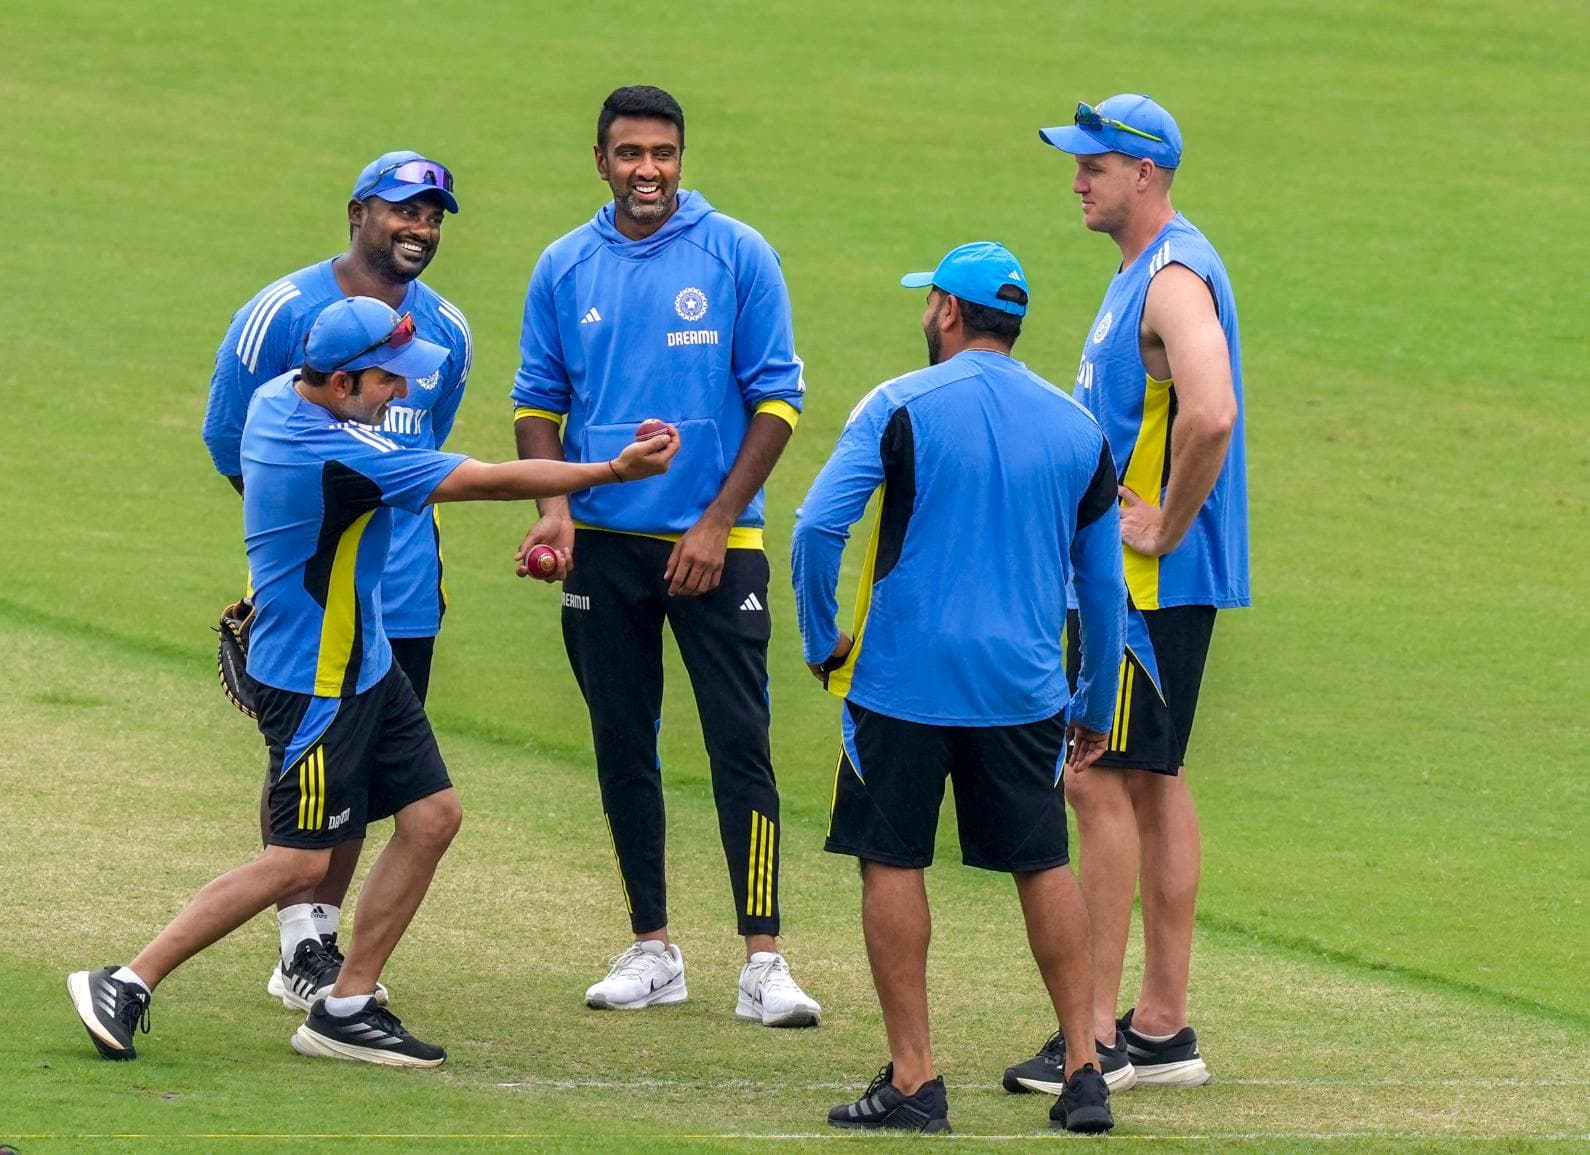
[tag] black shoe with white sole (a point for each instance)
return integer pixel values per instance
(1045, 1072)
(1085, 1105)
(310, 976)
(111, 1010)
(372, 1034)
(1172, 1063)
(885, 1107)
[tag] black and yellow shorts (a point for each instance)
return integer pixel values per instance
(1009, 797)
(338, 764)
(1160, 675)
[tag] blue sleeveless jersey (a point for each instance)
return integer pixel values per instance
(1210, 566)
(266, 339)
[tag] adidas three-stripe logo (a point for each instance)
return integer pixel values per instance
(591, 317)
(752, 603)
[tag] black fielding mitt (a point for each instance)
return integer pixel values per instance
(232, 657)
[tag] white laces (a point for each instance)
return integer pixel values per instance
(632, 963)
(773, 975)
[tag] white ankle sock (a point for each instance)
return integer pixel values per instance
(1147, 1038)
(343, 1007)
(126, 975)
(326, 918)
(296, 926)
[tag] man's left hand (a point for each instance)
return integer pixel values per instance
(1141, 528)
(696, 565)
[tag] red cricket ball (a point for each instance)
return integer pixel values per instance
(542, 562)
(650, 427)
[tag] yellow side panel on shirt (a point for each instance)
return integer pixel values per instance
(838, 683)
(338, 627)
(759, 871)
(312, 789)
(1144, 473)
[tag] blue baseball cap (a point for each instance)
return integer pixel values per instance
(398, 176)
(1126, 123)
(976, 272)
(364, 333)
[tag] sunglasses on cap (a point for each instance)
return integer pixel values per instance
(1089, 117)
(402, 333)
(418, 172)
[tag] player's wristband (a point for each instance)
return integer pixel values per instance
(617, 476)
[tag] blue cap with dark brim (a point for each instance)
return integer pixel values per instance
(976, 272)
(390, 176)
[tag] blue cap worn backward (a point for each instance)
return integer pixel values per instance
(976, 272)
(364, 333)
(1126, 123)
(397, 176)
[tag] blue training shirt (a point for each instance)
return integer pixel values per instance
(998, 491)
(318, 500)
(690, 325)
(1210, 566)
(266, 339)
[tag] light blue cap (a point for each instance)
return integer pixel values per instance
(976, 272)
(343, 335)
(1128, 108)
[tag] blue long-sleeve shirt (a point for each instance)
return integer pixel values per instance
(998, 491)
(690, 325)
(266, 339)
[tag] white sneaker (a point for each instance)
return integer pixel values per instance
(648, 973)
(771, 997)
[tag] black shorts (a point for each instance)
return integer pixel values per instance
(1009, 796)
(337, 764)
(414, 655)
(1160, 676)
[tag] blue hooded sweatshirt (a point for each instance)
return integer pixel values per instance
(690, 325)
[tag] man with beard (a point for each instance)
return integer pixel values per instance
(395, 219)
(663, 307)
(998, 491)
(347, 738)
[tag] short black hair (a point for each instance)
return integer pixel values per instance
(639, 100)
(985, 321)
(314, 378)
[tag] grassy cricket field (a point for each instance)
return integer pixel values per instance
(1394, 932)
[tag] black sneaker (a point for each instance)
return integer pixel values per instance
(883, 1106)
(1045, 1072)
(1173, 1063)
(1085, 1105)
(110, 1010)
(372, 1034)
(310, 976)
(334, 952)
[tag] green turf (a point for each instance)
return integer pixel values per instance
(1389, 758)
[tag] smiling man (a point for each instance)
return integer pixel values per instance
(663, 307)
(395, 216)
(347, 738)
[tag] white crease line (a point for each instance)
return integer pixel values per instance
(753, 1085)
(576, 1139)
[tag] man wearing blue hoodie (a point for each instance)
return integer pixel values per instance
(664, 307)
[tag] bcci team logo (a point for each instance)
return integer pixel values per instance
(430, 382)
(1103, 330)
(691, 304)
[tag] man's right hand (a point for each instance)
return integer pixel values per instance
(1086, 747)
(647, 458)
(556, 530)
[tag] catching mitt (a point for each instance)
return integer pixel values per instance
(231, 657)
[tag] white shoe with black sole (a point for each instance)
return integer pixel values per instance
(372, 1034)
